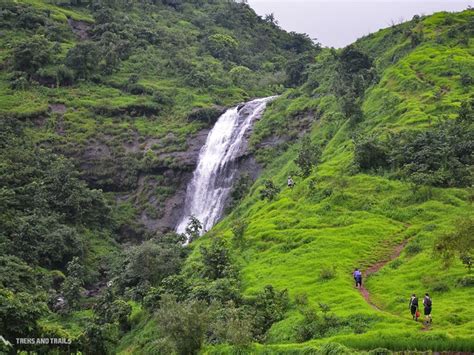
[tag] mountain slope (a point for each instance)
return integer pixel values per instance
(345, 214)
(104, 106)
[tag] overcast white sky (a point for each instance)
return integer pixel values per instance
(338, 23)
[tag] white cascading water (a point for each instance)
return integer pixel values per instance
(212, 180)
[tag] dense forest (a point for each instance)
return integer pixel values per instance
(104, 106)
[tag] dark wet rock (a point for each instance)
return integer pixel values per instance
(208, 115)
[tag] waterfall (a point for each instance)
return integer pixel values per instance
(212, 180)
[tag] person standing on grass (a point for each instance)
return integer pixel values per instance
(427, 305)
(291, 183)
(413, 306)
(358, 278)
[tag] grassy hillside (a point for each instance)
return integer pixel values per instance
(101, 104)
(309, 239)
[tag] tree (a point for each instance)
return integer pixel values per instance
(241, 76)
(238, 229)
(222, 46)
(185, 324)
(72, 285)
(193, 229)
(308, 157)
(296, 70)
(20, 312)
(458, 243)
(83, 59)
(216, 260)
(32, 54)
(269, 307)
(370, 153)
(269, 191)
(152, 261)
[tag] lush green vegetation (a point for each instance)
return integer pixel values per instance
(377, 136)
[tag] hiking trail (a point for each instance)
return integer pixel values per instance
(376, 267)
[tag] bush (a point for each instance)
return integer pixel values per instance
(216, 260)
(308, 157)
(395, 264)
(440, 286)
(268, 307)
(270, 191)
(458, 243)
(369, 153)
(466, 281)
(222, 46)
(33, 54)
(315, 325)
(334, 349)
(208, 115)
(239, 190)
(186, 324)
(327, 272)
(151, 262)
(413, 248)
(83, 59)
(238, 229)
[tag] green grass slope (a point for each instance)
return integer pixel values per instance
(95, 99)
(342, 218)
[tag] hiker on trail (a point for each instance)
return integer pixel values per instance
(427, 304)
(291, 183)
(358, 278)
(413, 306)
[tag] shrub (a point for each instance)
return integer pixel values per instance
(395, 264)
(186, 324)
(72, 285)
(270, 191)
(369, 153)
(466, 281)
(268, 307)
(239, 190)
(440, 286)
(216, 260)
(466, 79)
(231, 325)
(193, 229)
(458, 243)
(334, 349)
(413, 248)
(315, 325)
(151, 262)
(308, 157)
(327, 272)
(208, 115)
(32, 54)
(83, 59)
(241, 76)
(238, 229)
(301, 299)
(222, 46)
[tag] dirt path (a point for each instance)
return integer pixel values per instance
(376, 267)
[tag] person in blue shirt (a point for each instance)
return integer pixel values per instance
(358, 278)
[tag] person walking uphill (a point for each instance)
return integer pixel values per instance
(413, 306)
(358, 278)
(291, 183)
(427, 308)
